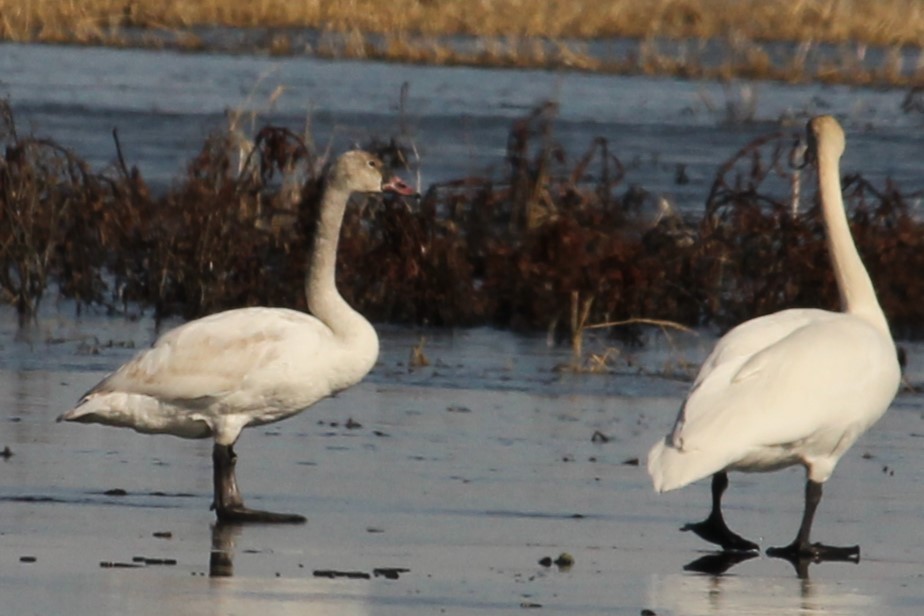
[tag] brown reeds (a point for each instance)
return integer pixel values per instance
(229, 234)
(51, 207)
(552, 244)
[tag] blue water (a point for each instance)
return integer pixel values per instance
(164, 103)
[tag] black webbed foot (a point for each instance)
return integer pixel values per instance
(229, 504)
(816, 552)
(714, 530)
(241, 514)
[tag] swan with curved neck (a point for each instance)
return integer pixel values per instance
(796, 387)
(215, 376)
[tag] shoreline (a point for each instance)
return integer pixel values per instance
(855, 42)
(719, 59)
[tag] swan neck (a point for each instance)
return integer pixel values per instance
(324, 300)
(853, 282)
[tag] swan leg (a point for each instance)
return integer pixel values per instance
(713, 529)
(228, 503)
(802, 548)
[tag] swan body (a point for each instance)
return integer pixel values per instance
(747, 412)
(217, 375)
(797, 387)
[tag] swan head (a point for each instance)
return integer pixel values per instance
(824, 133)
(360, 171)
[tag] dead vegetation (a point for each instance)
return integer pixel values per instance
(551, 246)
(51, 207)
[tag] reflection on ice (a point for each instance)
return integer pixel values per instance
(221, 557)
(717, 563)
(744, 594)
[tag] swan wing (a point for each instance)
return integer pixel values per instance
(732, 352)
(210, 358)
(752, 337)
(835, 374)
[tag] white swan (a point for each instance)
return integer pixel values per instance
(794, 387)
(214, 376)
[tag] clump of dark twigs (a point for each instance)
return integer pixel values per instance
(556, 243)
(51, 207)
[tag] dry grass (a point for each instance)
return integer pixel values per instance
(515, 33)
(882, 22)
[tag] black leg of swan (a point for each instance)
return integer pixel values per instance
(802, 548)
(713, 529)
(229, 504)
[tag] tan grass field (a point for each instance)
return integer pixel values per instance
(514, 33)
(881, 22)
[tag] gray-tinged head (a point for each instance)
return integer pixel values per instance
(360, 171)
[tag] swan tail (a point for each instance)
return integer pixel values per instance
(671, 468)
(140, 413)
(95, 409)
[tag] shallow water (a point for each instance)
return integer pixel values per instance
(164, 104)
(459, 478)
